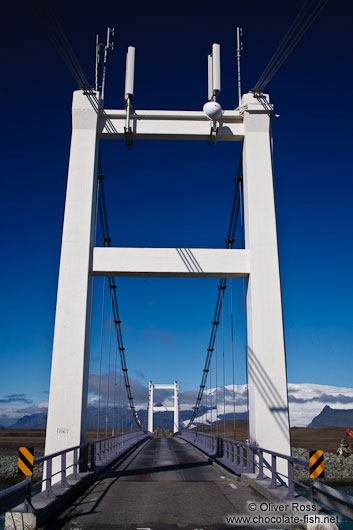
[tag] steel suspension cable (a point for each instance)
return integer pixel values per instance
(100, 361)
(244, 307)
(115, 384)
(286, 39)
(232, 347)
(302, 23)
(211, 396)
(296, 41)
(56, 34)
(224, 371)
(216, 361)
(222, 285)
(108, 385)
(119, 401)
(112, 285)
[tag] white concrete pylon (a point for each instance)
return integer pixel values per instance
(176, 407)
(268, 403)
(174, 387)
(267, 379)
(66, 425)
(150, 407)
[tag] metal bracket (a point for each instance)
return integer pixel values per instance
(127, 129)
(213, 134)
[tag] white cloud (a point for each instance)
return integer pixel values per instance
(306, 400)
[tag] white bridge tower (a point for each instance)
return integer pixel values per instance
(257, 262)
(175, 408)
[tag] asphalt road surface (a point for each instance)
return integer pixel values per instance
(164, 484)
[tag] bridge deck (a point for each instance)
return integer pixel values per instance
(165, 483)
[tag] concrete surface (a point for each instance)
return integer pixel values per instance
(166, 483)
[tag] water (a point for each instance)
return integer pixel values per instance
(343, 522)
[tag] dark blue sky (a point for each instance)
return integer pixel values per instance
(178, 193)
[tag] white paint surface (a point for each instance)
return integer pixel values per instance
(268, 402)
(171, 125)
(181, 262)
(175, 408)
(66, 424)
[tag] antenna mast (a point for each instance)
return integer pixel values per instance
(109, 46)
(98, 45)
(239, 49)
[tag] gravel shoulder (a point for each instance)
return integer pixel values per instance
(338, 469)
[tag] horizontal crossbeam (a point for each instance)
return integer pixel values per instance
(171, 262)
(171, 125)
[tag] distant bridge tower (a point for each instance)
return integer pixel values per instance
(174, 387)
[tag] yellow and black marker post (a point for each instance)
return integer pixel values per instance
(316, 464)
(25, 461)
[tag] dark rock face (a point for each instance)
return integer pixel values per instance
(334, 417)
(121, 417)
(33, 421)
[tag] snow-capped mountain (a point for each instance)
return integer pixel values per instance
(306, 401)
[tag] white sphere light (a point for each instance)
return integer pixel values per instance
(213, 110)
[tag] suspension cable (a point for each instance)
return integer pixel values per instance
(244, 307)
(56, 34)
(112, 285)
(232, 341)
(303, 21)
(224, 372)
(100, 361)
(109, 354)
(211, 396)
(115, 384)
(216, 361)
(222, 285)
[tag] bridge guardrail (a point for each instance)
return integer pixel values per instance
(241, 457)
(89, 457)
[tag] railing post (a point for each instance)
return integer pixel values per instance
(260, 475)
(83, 465)
(98, 459)
(250, 464)
(28, 495)
(241, 458)
(291, 486)
(93, 457)
(48, 487)
(64, 482)
(75, 465)
(274, 472)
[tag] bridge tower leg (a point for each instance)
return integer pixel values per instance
(267, 379)
(150, 407)
(176, 407)
(66, 424)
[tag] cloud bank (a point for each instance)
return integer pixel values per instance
(306, 400)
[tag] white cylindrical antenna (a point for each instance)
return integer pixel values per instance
(130, 72)
(239, 49)
(210, 78)
(216, 70)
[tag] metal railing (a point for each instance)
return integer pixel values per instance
(86, 458)
(241, 457)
